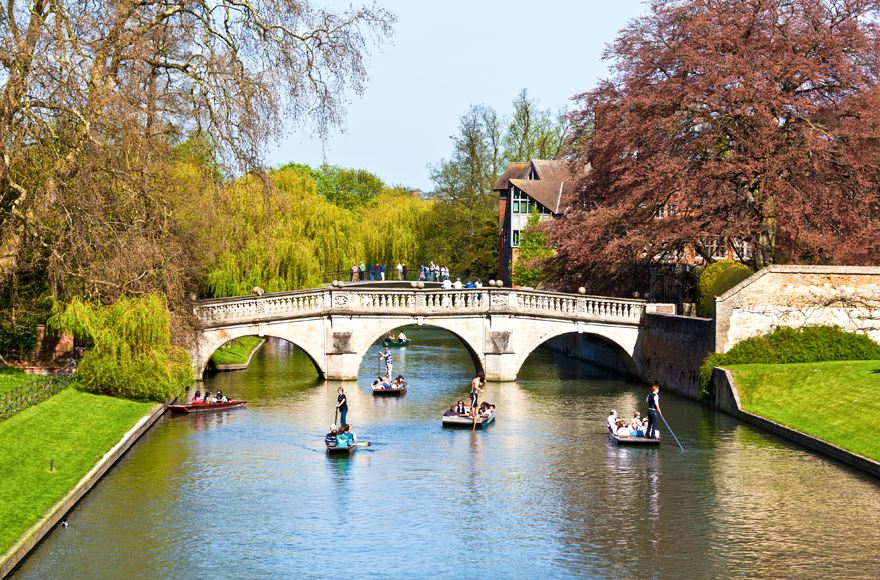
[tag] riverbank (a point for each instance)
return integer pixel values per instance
(821, 405)
(237, 354)
(68, 433)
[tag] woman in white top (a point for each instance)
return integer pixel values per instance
(622, 430)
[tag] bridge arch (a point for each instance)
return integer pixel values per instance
(458, 330)
(212, 340)
(612, 347)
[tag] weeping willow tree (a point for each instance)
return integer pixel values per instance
(395, 228)
(287, 236)
(131, 355)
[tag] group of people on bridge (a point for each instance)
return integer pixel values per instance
(638, 426)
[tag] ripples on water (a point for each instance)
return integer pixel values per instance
(251, 493)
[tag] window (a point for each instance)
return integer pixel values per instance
(521, 202)
(514, 242)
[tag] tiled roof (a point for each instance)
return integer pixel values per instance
(515, 170)
(549, 170)
(547, 193)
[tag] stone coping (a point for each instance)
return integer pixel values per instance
(38, 531)
(800, 269)
(727, 400)
(246, 363)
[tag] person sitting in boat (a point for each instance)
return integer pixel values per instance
(344, 437)
(221, 398)
(330, 438)
(402, 337)
(377, 382)
(387, 383)
(197, 398)
(400, 380)
(460, 408)
(450, 412)
(636, 424)
(209, 398)
(612, 421)
(390, 337)
(622, 429)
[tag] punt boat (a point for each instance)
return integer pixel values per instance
(380, 391)
(334, 450)
(634, 440)
(396, 343)
(468, 421)
(206, 407)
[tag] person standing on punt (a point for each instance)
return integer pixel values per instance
(389, 360)
(476, 389)
(653, 410)
(342, 405)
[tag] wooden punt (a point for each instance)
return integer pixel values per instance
(467, 420)
(396, 343)
(334, 450)
(380, 391)
(206, 407)
(634, 440)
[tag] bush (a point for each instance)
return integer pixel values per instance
(132, 356)
(717, 279)
(791, 345)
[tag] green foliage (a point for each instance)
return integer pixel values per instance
(528, 268)
(11, 378)
(75, 429)
(236, 352)
(131, 354)
(717, 279)
(791, 345)
(342, 186)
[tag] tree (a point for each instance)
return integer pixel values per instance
(528, 268)
(750, 120)
(533, 133)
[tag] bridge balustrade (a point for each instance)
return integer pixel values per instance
(221, 312)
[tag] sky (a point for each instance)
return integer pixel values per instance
(445, 57)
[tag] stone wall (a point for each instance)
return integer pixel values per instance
(844, 296)
(594, 350)
(671, 350)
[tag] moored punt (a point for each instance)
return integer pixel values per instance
(396, 343)
(205, 407)
(334, 450)
(468, 421)
(389, 392)
(634, 440)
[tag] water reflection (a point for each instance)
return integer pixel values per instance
(542, 492)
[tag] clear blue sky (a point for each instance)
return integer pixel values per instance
(445, 57)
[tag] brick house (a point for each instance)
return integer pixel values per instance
(525, 186)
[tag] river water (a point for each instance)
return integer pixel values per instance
(250, 493)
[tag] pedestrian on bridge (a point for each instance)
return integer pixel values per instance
(386, 356)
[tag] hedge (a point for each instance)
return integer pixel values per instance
(717, 279)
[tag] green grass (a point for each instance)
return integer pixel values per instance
(835, 401)
(11, 378)
(74, 428)
(236, 352)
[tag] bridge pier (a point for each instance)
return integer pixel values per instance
(501, 367)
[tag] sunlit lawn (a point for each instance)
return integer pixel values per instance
(11, 378)
(75, 429)
(838, 401)
(236, 352)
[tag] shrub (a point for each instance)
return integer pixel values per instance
(717, 279)
(132, 356)
(786, 345)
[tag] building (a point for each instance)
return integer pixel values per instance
(523, 187)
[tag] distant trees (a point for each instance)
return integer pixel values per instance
(465, 222)
(751, 120)
(534, 250)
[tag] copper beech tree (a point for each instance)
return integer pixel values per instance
(752, 121)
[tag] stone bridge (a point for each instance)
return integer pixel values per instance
(499, 326)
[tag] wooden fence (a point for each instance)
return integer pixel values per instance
(36, 391)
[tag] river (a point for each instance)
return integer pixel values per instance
(250, 493)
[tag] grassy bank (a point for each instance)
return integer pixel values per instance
(834, 401)
(11, 378)
(236, 352)
(75, 429)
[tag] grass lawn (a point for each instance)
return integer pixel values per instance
(12, 377)
(74, 428)
(236, 352)
(834, 401)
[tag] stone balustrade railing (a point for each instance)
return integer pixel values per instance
(308, 303)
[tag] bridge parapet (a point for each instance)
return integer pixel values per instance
(415, 303)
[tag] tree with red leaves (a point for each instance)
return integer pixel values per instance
(742, 120)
